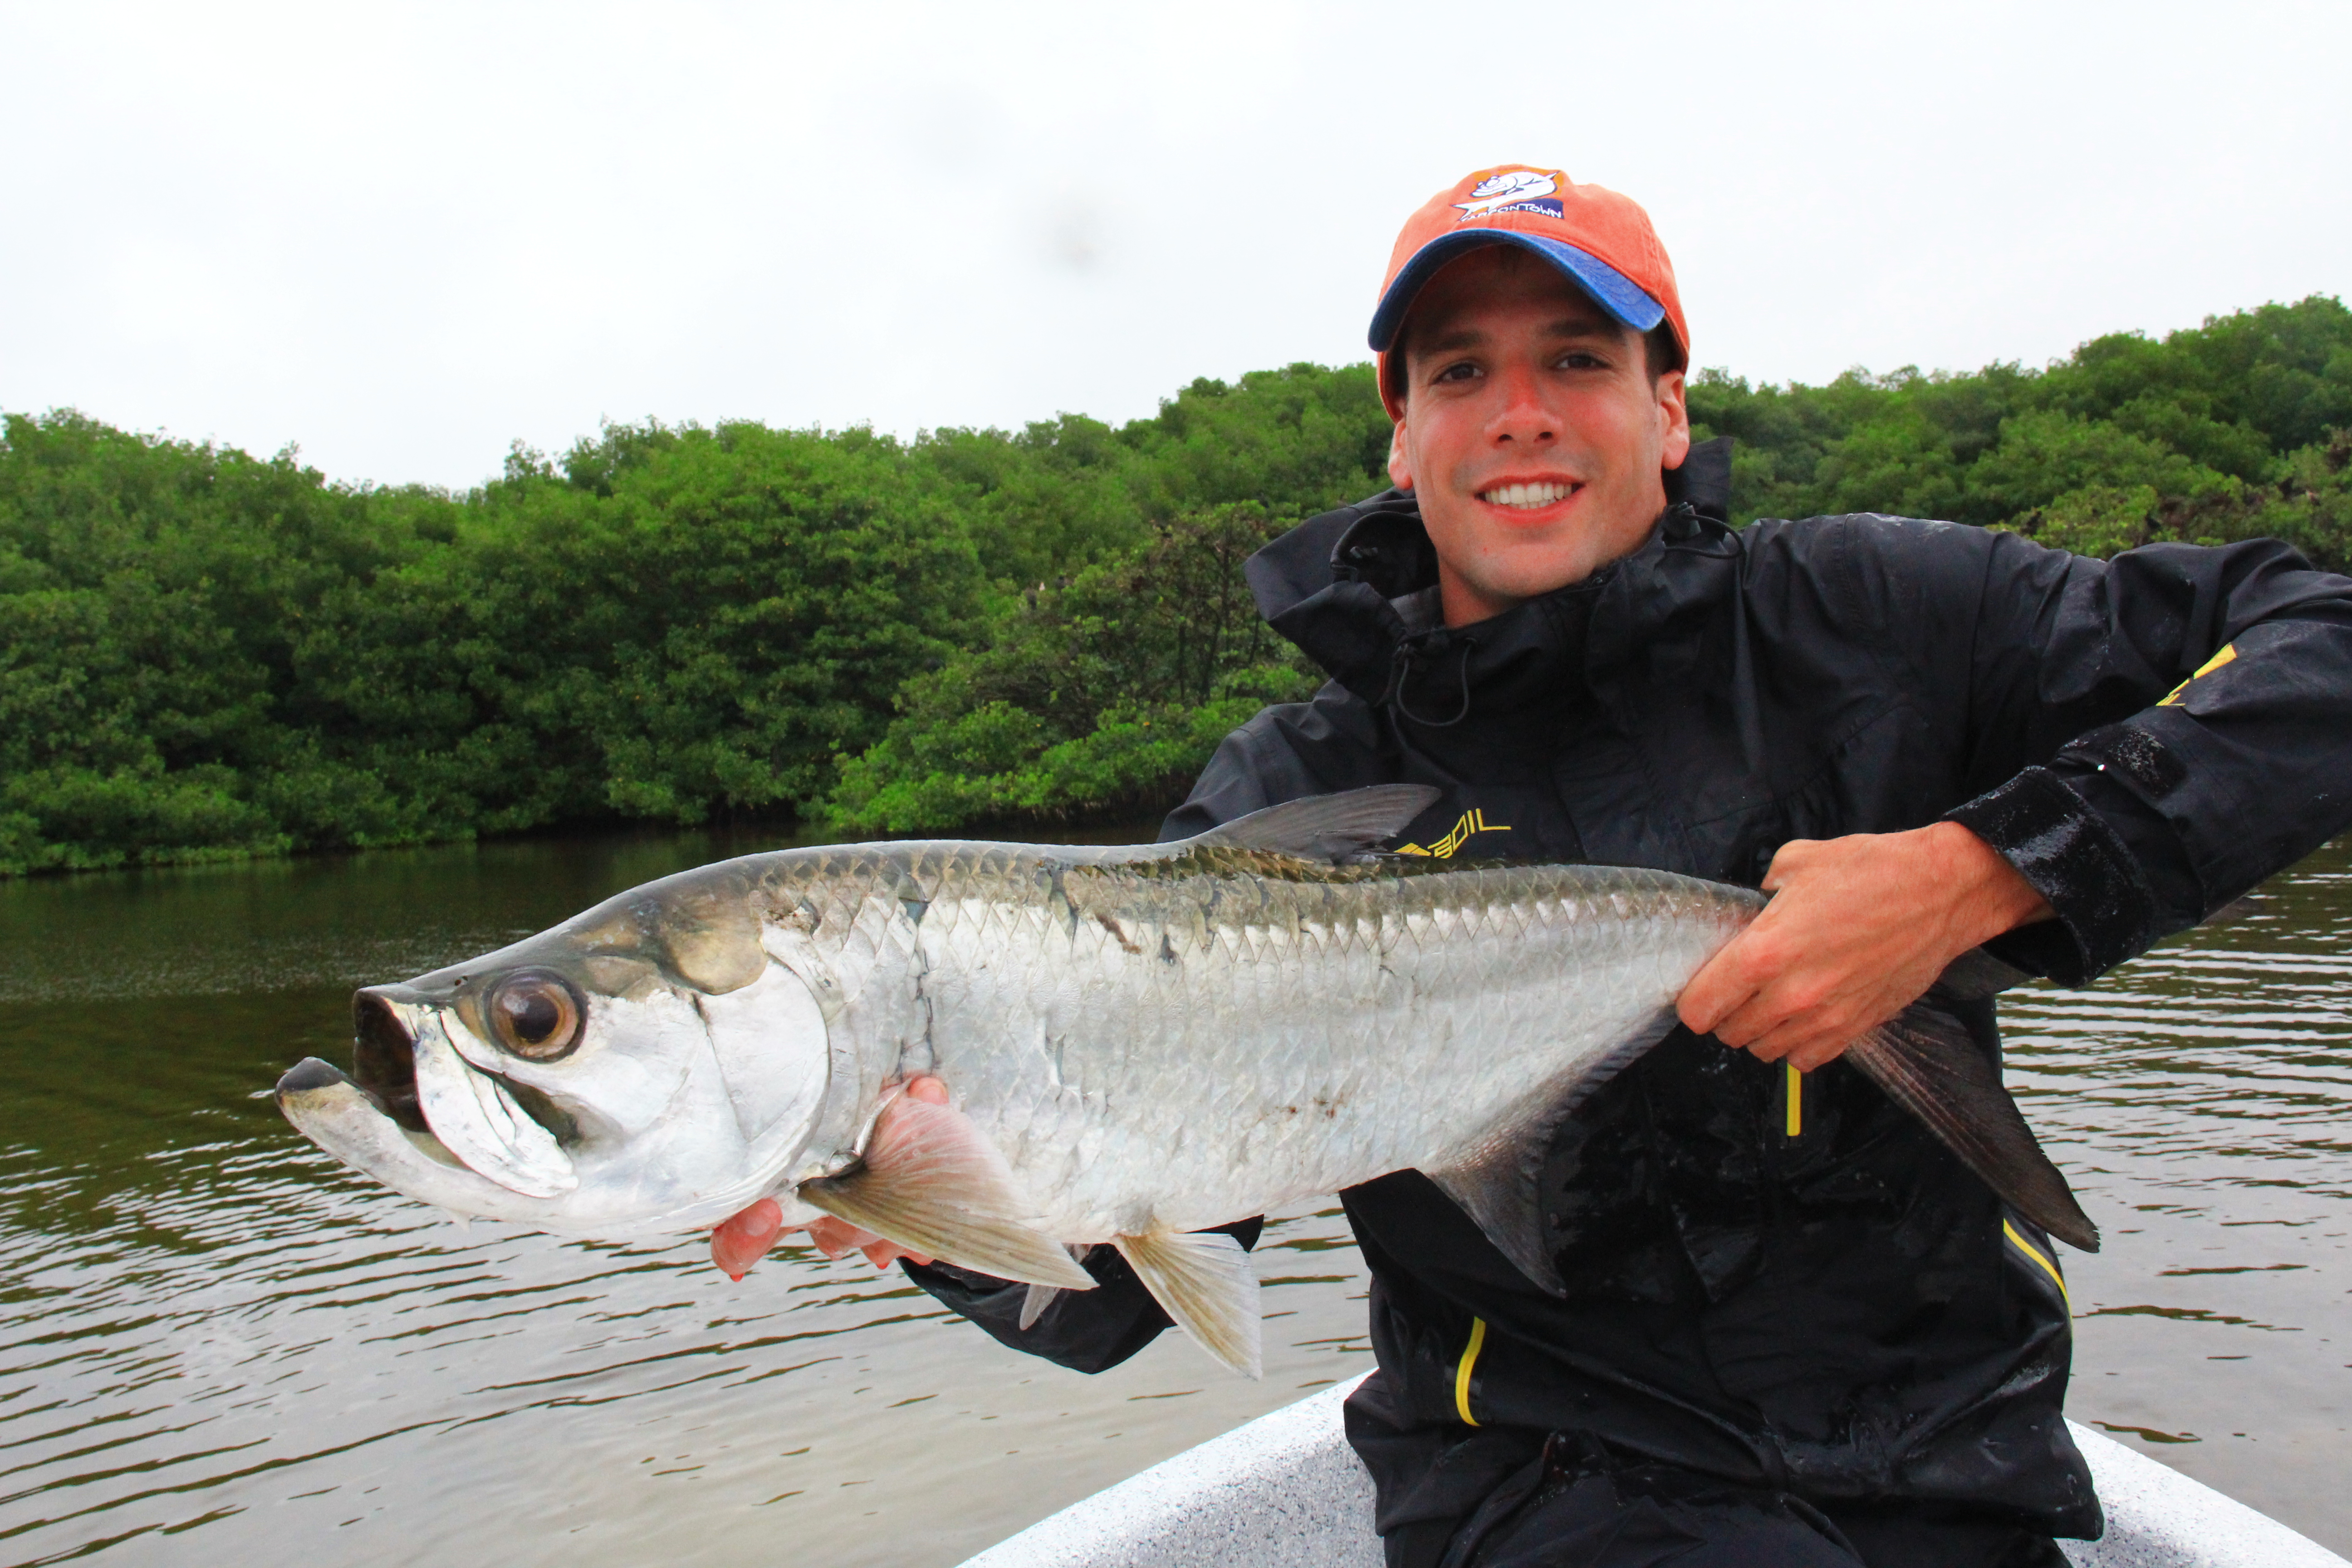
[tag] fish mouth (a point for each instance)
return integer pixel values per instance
(383, 1060)
(422, 1108)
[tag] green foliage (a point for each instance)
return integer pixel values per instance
(1105, 692)
(2310, 507)
(1064, 494)
(206, 654)
(2220, 416)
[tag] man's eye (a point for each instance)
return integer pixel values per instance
(1463, 372)
(1577, 359)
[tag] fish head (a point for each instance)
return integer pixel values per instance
(645, 1068)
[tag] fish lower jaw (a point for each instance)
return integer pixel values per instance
(433, 1149)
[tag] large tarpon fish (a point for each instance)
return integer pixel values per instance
(1140, 1043)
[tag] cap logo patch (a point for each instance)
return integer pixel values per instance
(1512, 191)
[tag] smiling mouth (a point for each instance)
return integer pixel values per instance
(1528, 496)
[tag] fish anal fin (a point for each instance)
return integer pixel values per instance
(1929, 1066)
(932, 1182)
(1328, 827)
(1500, 1195)
(1205, 1282)
(1496, 1180)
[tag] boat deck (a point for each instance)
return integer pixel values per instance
(1285, 1491)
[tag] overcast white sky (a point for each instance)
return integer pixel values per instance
(402, 235)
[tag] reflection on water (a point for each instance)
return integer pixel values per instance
(216, 1343)
(2202, 1100)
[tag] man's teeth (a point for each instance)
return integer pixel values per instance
(1526, 495)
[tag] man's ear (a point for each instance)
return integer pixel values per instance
(1400, 465)
(1673, 411)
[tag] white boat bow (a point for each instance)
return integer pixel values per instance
(1285, 1491)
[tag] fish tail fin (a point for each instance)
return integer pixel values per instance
(930, 1181)
(1930, 1066)
(1975, 974)
(1204, 1280)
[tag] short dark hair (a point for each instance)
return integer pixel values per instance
(1660, 352)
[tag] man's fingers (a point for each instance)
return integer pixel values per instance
(743, 1239)
(1785, 1022)
(1821, 1050)
(1724, 984)
(882, 1253)
(1789, 860)
(838, 1238)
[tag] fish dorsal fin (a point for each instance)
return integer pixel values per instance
(932, 1182)
(1204, 1280)
(1927, 1065)
(1497, 1179)
(1329, 828)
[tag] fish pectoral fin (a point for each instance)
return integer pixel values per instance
(1929, 1066)
(1329, 828)
(1040, 1297)
(1497, 1179)
(932, 1182)
(1204, 1280)
(1034, 1302)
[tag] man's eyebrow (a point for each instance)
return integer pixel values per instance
(1569, 327)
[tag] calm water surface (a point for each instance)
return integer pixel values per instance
(215, 1346)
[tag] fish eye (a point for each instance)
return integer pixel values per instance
(535, 1014)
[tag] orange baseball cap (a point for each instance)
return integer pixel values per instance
(1601, 241)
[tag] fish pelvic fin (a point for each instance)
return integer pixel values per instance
(1333, 828)
(1930, 1066)
(931, 1182)
(1204, 1280)
(1498, 1180)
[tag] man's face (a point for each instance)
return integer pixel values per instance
(1532, 433)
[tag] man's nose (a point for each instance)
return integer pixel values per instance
(1520, 412)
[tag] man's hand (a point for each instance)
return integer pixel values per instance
(1857, 930)
(744, 1239)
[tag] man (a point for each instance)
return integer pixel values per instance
(1797, 1330)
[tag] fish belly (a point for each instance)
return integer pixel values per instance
(1173, 1053)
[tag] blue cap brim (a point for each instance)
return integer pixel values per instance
(1611, 290)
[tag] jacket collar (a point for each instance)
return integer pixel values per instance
(1355, 590)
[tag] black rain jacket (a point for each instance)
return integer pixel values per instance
(1823, 1304)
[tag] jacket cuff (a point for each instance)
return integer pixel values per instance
(2107, 910)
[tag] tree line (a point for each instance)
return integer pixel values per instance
(205, 654)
